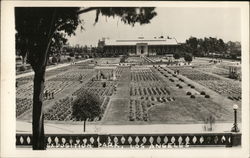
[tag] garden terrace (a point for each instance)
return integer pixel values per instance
(143, 75)
(134, 60)
(23, 105)
(218, 71)
(24, 80)
(62, 110)
(225, 87)
(97, 88)
(75, 75)
(119, 71)
(148, 91)
(103, 61)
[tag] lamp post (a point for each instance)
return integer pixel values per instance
(235, 127)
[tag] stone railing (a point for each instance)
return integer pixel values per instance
(134, 140)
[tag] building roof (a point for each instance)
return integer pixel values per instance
(129, 42)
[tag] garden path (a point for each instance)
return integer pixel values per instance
(119, 102)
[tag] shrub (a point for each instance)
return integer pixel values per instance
(71, 54)
(131, 116)
(54, 60)
(58, 59)
(86, 105)
(192, 96)
(123, 59)
(203, 93)
(104, 84)
(189, 93)
(180, 87)
(171, 80)
(176, 56)
(69, 59)
(188, 58)
(189, 84)
(207, 96)
(22, 68)
(192, 86)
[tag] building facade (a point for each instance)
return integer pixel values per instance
(141, 46)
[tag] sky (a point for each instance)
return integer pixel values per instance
(181, 23)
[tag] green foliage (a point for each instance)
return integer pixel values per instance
(177, 56)
(69, 59)
(86, 106)
(22, 68)
(71, 54)
(203, 47)
(207, 96)
(203, 93)
(40, 27)
(188, 58)
(128, 15)
(54, 59)
(123, 59)
(104, 84)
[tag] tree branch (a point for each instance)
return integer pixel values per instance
(86, 10)
(49, 38)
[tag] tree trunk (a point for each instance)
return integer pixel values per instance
(37, 117)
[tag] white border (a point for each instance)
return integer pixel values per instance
(8, 86)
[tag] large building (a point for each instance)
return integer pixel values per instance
(140, 46)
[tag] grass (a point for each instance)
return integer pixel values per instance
(184, 110)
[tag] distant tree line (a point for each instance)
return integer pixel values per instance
(211, 47)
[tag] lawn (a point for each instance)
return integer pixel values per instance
(188, 110)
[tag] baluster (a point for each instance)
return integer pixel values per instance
(180, 140)
(201, 139)
(216, 139)
(56, 140)
(21, 140)
(194, 139)
(116, 140)
(49, 141)
(84, 141)
(137, 140)
(158, 140)
(28, 140)
(144, 140)
(63, 141)
(151, 140)
(223, 139)
(92, 140)
(122, 140)
(187, 140)
(130, 140)
(165, 140)
(77, 141)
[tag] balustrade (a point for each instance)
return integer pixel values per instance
(134, 140)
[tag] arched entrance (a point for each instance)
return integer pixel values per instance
(141, 49)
